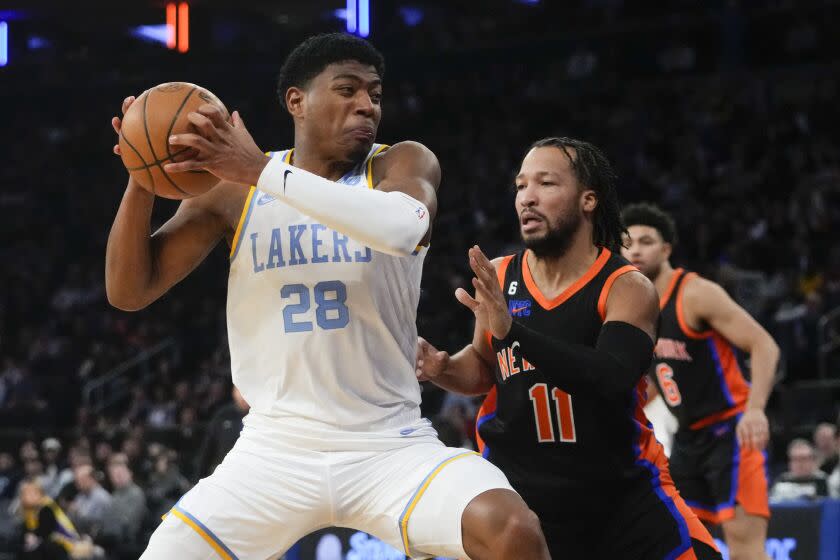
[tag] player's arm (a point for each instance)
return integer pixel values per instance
(705, 302)
(469, 372)
(623, 351)
(141, 266)
(392, 218)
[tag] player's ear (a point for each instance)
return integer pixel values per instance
(668, 249)
(589, 200)
(294, 101)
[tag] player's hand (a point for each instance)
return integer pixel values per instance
(753, 430)
(116, 122)
(489, 305)
(225, 149)
(430, 361)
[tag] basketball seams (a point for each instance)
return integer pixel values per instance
(157, 162)
(140, 157)
(152, 148)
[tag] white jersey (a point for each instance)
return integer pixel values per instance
(322, 329)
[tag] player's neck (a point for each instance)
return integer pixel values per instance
(554, 274)
(663, 278)
(306, 156)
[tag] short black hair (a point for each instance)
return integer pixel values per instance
(310, 58)
(594, 171)
(651, 215)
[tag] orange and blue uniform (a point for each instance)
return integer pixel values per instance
(588, 465)
(698, 375)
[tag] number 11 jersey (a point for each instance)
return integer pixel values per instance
(321, 328)
(555, 447)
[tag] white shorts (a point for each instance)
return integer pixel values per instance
(278, 485)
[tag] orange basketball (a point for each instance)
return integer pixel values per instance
(144, 139)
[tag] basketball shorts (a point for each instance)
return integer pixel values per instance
(714, 474)
(643, 520)
(279, 484)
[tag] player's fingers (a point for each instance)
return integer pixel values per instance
(465, 299)
(763, 439)
(236, 120)
(117, 149)
(480, 265)
(204, 125)
(116, 123)
(127, 103)
(214, 113)
(487, 293)
(191, 140)
(740, 434)
(482, 259)
(182, 166)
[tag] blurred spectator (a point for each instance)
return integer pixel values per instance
(50, 453)
(91, 503)
(124, 516)
(166, 484)
(222, 432)
(9, 476)
(834, 483)
(803, 480)
(47, 532)
(827, 446)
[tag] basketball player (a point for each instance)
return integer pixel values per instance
(717, 459)
(564, 334)
(325, 264)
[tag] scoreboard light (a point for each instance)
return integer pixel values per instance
(357, 16)
(4, 43)
(178, 26)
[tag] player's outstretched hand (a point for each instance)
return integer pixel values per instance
(753, 430)
(116, 122)
(225, 149)
(430, 361)
(489, 305)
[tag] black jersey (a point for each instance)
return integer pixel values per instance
(697, 373)
(553, 446)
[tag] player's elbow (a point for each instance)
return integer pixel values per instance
(123, 299)
(408, 230)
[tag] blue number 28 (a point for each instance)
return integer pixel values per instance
(329, 297)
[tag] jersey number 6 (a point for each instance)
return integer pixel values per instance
(542, 414)
(665, 377)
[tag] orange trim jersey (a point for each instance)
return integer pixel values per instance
(548, 442)
(588, 465)
(697, 372)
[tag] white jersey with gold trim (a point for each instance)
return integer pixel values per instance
(322, 329)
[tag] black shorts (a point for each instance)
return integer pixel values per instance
(643, 522)
(714, 474)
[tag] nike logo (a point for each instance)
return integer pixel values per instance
(286, 173)
(518, 309)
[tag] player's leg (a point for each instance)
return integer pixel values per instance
(745, 536)
(498, 524)
(430, 500)
(745, 522)
(255, 505)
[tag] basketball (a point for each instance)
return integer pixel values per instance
(155, 115)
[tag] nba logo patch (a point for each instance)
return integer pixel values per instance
(520, 307)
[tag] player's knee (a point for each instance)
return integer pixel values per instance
(522, 531)
(743, 546)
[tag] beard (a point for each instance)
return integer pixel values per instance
(559, 238)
